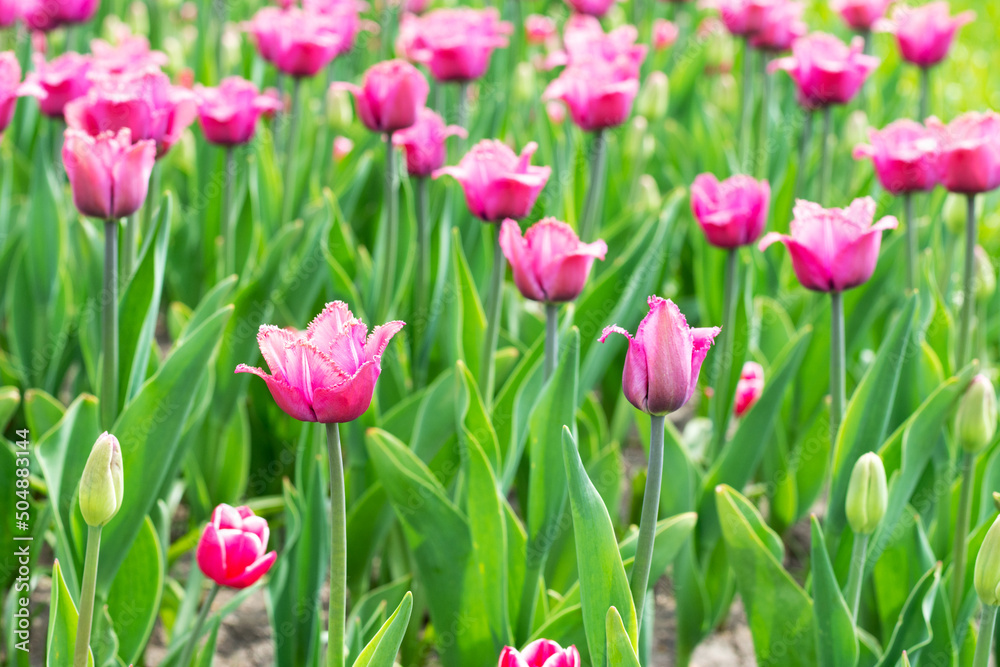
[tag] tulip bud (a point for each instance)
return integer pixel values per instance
(985, 279)
(856, 131)
(976, 419)
(996, 500)
(987, 575)
(867, 494)
(524, 82)
(339, 110)
(101, 485)
(649, 197)
(654, 98)
(956, 211)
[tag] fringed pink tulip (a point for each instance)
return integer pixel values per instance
(47, 15)
(780, 25)
(598, 94)
(664, 34)
(540, 653)
(550, 263)
(905, 155)
(539, 29)
(390, 96)
(664, 359)
(497, 182)
(12, 88)
(732, 213)
(347, 15)
(63, 79)
(833, 249)
(860, 15)
(109, 175)
(585, 41)
(131, 52)
(825, 70)
(455, 44)
(925, 33)
(749, 387)
(228, 113)
(327, 373)
(423, 143)
(298, 42)
(591, 7)
(969, 157)
(232, 550)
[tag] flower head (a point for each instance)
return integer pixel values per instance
(540, 653)
(299, 42)
(732, 213)
(102, 483)
(391, 96)
(968, 152)
(860, 14)
(749, 387)
(905, 155)
(232, 550)
(109, 174)
(424, 142)
(591, 7)
(12, 88)
(825, 70)
(61, 80)
(924, 34)
(228, 113)
(455, 44)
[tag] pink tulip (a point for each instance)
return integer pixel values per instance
(416, 6)
(327, 373)
(969, 146)
(298, 42)
(342, 147)
(664, 34)
(597, 97)
(905, 154)
(833, 249)
(540, 653)
(132, 53)
(591, 7)
(12, 88)
(742, 18)
(664, 359)
(109, 175)
(228, 114)
(346, 14)
(232, 550)
(825, 70)
(9, 11)
(925, 33)
(497, 182)
(732, 213)
(423, 142)
(63, 79)
(780, 25)
(390, 97)
(539, 29)
(585, 42)
(860, 15)
(455, 44)
(550, 263)
(749, 387)
(47, 15)
(556, 111)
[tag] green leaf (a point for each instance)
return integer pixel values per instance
(836, 644)
(134, 597)
(382, 649)
(63, 618)
(913, 629)
(42, 411)
(670, 537)
(621, 653)
(207, 653)
(10, 399)
(467, 319)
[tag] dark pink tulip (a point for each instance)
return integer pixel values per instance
(597, 94)
(455, 44)
(327, 373)
(228, 114)
(540, 653)
(109, 175)
(497, 182)
(47, 15)
(780, 25)
(749, 387)
(391, 95)
(664, 34)
(742, 18)
(585, 41)
(232, 550)
(860, 15)
(825, 70)
(905, 155)
(12, 88)
(731, 213)
(591, 7)
(549, 262)
(347, 16)
(539, 29)
(298, 42)
(925, 33)
(969, 158)
(132, 53)
(423, 142)
(416, 6)
(664, 359)
(9, 11)
(63, 79)
(833, 249)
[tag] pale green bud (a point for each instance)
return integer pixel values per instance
(856, 131)
(987, 575)
(649, 194)
(525, 82)
(976, 419)
(654, 98)
(102, 484)
(956, 208)
(339, 108)
(985, 276)
(867, 494)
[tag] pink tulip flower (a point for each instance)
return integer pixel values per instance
(732, 213)
(749, 387)
(833, 249)
(591, 7)
(455, 44)
(63, 79)
(390, 97)
(424, 142)
(228, 114)
(131, 53)
(860, 15)
(925, 33)
(664, 34)
(342, 147)
(9, 11)
(539, 29)
(969, 158)
(550, 263)
(347, 16)
(556, 111)
(742, 18)
(298, 42)
(232, 550)
(597, 93)
(47, 15)
(585, 42)
(109, 175)
(825, 70)
(327, 373)
(11, 87)
(780, 25)
(905, 155)
(416, 6)
(497, 182)
(664, 359)
(540, 653)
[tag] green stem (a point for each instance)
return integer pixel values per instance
(109, 332)
(592, 204)
(746, 120)
(911, 242)
(130, 232)
(423, 285)
(86, 619)
(291, 153)
(984, 644)
(152, 202)
(968, 277)
(962, 532)
(925, 93)
(639, 580)
(551, 338)
(199, 623)
(838, 370)
(826, 163)
(228, 222)
(856, 574)
(804, 142)
(529, 593)
(724, 358)
(463, 108)
(338, 550)
(763, 149)
(494, 309)
(392, 227)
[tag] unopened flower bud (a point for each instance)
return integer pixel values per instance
(339, 110)
(867, 494)
(101, 485)
(987, 575)
(649, 198)
(976, 419)
(654, 98)
(525, 81)
(985, 277)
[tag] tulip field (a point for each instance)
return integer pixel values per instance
(527, 333)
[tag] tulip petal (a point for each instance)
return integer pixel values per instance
(211, 554)
(258, 526)
(667, 341)
(287, 397)
(329, 325)
(89, 177)
(515, 249)
(348, 400)
(511, 658)
(226, 516)
(379, 338)
(537, 652)
(274, 342)
(252, 574)
(131, 178)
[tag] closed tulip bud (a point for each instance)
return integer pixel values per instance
(867, 494)
(987, 575)
(339, 108)
(102, 484)
(986, 279)
(976, 419)
(996, 500)
(654, 97)
(524, 82)
(856, 130)
(638, 128)
(649, 198)
(954, 213)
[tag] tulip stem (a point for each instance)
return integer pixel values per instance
(639, 580)
(746, 120)
(911, 242)
(598, 160)
(962, 532)
(463, 107)
(290, 152)
(968, 295)
(837, 369)
(227, 222)
(984, 644)
(858, 556)
(199, 623)
(494, 310)
(724, 361)
(388, 288)
(109, 333)
(925, 93)
(824, 156)
(763, 150)
(86, 618)
(804, 140)
(338, 550)
(127, 255)
(423, 284)
(551, 338)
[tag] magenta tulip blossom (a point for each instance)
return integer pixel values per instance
(9, 11)
(833, 249)
(497, 182)
(860, 15)
(664, 358)
(825, 70)
(423, 143)
(749, 388)
(585, 41)
(969, 152)
(346, 14)
(905, 155)
(664, 34)
(298, 42)
(742, 18)
(539, 29)
(925, 33)
(47, 15)
(550, 263)
(11, 87)
(228, 113)
(454, 44)
(132, 53)
(327, 373)
(598, 94)
(232, 550)
(591, 7)
(780, 25)
(732, 213)
(390, 97)
(109, 175)
(540, 653)
(63, 79)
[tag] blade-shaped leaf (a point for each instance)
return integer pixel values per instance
(836, 644)
(382, 649)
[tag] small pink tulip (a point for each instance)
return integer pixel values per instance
(732, 213)
(298, 42)
(390, 97)
(47, 15)
(598, 94)
(825, 70)
(664, 34)
(969, 158)
(424, 142)
(63, 79)
(742, 18)
(232, 550)
(925, 33)
(12, 88)
(860, 15)
(228, 114)
(586, 42)
(327, 373)
(540, 653)
(780, 25)
(556, 111)
(131, 52)
(455, 44)
(109, 175)
(342, 147)
(550, 263)
(497, 182)
(905, 155)
(833, 249)
(539, 29)
(664, 359)
(749, 387)
(591, 7)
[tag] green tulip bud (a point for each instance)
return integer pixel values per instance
(996, 500)
(339, 108)
(525, 82)
(985, 277)
(976, 419)
(856, 131)
(987, 575)
(649, 194)
(867, 494)
(101, 485)
(654, 98)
